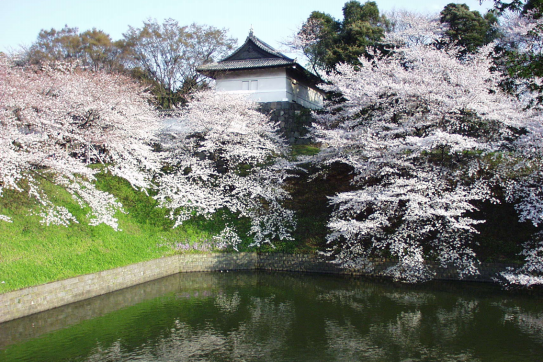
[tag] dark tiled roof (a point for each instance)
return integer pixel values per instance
(260, 44)
(246, 57)
(246, 64)
(254, 54)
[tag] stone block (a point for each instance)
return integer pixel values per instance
(35, 299)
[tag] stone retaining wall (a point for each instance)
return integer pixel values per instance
(39, 298)
(293, 120)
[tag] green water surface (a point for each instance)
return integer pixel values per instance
(284, 317)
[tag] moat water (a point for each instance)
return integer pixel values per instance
(284, 317)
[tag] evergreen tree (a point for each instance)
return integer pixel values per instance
(468, 29)
(327, 41)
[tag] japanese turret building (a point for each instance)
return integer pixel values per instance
(284, 88)
(265, 75)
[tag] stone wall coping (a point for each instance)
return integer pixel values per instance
(35, 299)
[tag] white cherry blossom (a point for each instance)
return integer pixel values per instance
(58, 119)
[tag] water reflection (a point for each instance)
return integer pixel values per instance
(527, 321)
(284, 317)
(346, 343)
(260, 335)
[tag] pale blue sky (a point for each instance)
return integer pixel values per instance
(273, 21)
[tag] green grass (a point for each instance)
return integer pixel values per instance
(32, 253)
(304, 150)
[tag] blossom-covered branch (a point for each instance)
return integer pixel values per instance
(417, 126)
(225, 154)
(57, 119)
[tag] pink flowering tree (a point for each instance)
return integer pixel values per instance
(56, 120)
(522, 45)
(422, 129)
(224, 154)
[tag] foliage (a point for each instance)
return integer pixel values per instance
(468, 29)
(63, 44)
(99, 51)
(327, 42)
(304, 150)
(168, 54)
(519, 54)
(33, 253)
(224, 154)
(56, 120)
(92, 48)
(516, 5)
(163, 56)
(418, 127)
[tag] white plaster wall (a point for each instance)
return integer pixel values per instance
(304, 95)
(271, 84)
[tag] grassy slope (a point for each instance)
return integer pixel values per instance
(32, 253)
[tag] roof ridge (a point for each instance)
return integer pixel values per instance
(260, 44)
(266, 46)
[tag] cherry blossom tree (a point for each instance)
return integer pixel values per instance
(56, 120)
(521, 54)
(522, 45)
(226, 155)
(421, 129)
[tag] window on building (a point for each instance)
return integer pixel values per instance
(249, 85)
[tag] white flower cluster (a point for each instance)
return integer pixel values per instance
(418, 127)
(227, 238)
(56, 120)
(227, 155)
